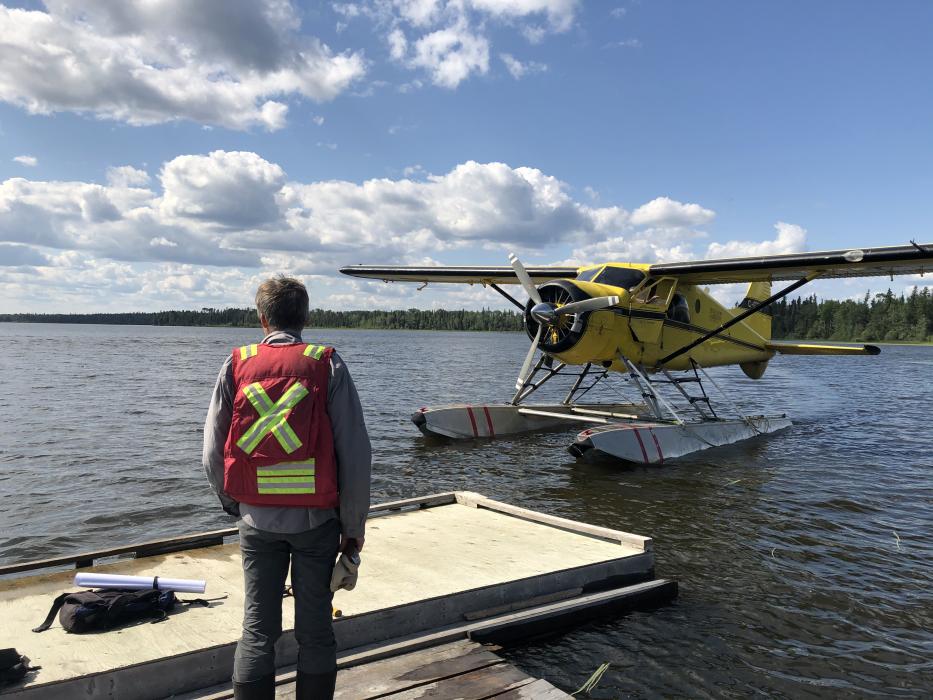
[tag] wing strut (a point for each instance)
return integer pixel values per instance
(507, 295)
(741, 317)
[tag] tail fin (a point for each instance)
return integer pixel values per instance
(760, 322)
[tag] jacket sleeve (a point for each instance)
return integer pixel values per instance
(352, 447)
(216, 427)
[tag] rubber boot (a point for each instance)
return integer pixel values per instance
(315, 686)
(263, 689)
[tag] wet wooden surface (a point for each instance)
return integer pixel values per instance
(463, 670)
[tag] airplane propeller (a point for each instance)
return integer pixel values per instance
(530, 289)
(549, 315)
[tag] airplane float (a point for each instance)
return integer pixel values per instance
(647, 322)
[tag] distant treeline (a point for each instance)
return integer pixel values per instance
(411, 319)
(882, 317)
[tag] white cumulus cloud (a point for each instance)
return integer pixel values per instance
(30, 161)
(230, 189)
(127, 176)
(211, 225)
(17, 254)
(559, 13)
(517, 69)
(221, 62)
(790, 239)
(450, 39)
(451, 54)
(664, 211)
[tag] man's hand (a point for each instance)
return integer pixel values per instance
(350, 543)
(230, 506)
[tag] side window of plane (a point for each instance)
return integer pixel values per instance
(588, 275)
(679, 310)
(624, 277)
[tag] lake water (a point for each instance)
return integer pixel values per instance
(804, 558)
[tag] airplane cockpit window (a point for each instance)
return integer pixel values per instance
(624, 277)
(679, 310)
(588, 275)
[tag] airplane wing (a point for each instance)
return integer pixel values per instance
(853, 262)
(466, 275)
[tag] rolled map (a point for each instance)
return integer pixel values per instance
(137, 583)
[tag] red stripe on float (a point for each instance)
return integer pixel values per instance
(472, 421)
(641, 445)
(657, 444)
(492, 433)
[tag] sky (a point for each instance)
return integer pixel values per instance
(168, 154)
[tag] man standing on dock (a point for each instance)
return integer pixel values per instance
(286, 451)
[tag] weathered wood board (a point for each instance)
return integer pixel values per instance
(463, 670)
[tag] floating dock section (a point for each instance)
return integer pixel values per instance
(446, 569)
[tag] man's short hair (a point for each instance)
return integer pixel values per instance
(284, 303)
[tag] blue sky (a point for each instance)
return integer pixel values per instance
(167, 154)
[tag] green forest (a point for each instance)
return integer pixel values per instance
(878, 318)
(882, 317)
(411, 319)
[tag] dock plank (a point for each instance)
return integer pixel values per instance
(475, 685)
(394, 675)
(537, 690)
(425, 669)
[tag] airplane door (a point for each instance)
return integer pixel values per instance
(647, 310)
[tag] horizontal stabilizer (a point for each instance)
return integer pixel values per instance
(812, 349)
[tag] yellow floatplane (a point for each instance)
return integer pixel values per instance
(658, 327)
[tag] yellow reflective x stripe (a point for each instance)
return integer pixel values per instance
(248, 351)
(258, 397)
(315, 351)
(273, 417)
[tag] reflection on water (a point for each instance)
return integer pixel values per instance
(804, 557)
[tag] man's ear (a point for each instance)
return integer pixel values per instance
(264, 323)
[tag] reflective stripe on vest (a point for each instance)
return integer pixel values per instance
(273, 417)
(248, 351)
(286, 477)
(315, 351)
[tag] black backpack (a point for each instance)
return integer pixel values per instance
(13, 666)
(106, 608)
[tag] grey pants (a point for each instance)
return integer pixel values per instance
(266, 557)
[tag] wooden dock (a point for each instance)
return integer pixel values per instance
(436, 571)
(464, 670)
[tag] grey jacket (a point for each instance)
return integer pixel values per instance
(351, 444)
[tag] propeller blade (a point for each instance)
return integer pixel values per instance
(579, 307)
(526, 365)
(530, 289)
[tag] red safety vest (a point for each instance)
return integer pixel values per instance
(280, 448)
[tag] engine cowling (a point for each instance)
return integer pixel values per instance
(560, 336)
